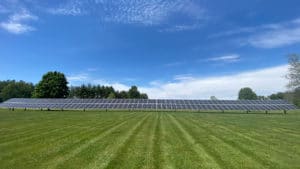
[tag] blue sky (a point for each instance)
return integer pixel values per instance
(170, 49)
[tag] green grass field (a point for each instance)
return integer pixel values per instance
(76, 139)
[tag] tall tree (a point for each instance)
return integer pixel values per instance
(133, 92)
(52, 85)
(247, 94)
(294, 79)
(294, 71)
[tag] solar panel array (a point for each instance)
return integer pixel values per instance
(148, 104)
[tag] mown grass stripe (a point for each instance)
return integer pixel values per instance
(231, 156)
(30, 138)
(166, 146)
(145, 142)
(111, 153)
(88, 154)
(258, 140)
(235, 145)
(156, 144)
(121, 156)
(42, 126)
(55, 141)
(213, 159)
(87, 142)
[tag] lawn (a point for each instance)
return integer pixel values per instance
(98, 139)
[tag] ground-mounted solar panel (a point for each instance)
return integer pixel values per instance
(152, 104)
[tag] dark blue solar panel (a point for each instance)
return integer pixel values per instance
(149, 104)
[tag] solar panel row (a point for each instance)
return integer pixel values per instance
(153, 104)
(155, 101)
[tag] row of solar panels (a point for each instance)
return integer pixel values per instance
(140, 104)
(148, 101)
(152, 106)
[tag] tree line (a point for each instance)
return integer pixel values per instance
(55, 85)
(293, 96)
(247, 93)
(98, 91)
(15, 89)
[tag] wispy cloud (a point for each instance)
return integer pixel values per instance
(73, 8)
(226, 58)
(272, 35)
(180, 28)
(278, 37)
(223, 87)
(148, 12)
(9, 6)
(78, 77)
(145, 12)
(183, 77)
(117, 86)
(18, 22)
(86, 78)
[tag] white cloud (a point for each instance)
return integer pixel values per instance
(226, 58)
(183, 77)
(73, 8)
(145, 12)
(16, 28)
(180, 28)
(118, 86)
(276, 38)
(272, 35)
(264, 82)
(85, 78)
(16, 23)
(186, 86)
(23, 15)
(77, 78)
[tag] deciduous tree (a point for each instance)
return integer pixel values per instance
(247, 94)
(52, 85)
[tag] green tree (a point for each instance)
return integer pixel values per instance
(279, 95)
(262, 98)
(92, 91)
(15, 89)
(2, 85)
(296, 96)
(53, 85)
(133, 92)
(121, 95)
(247, 94)
(213, 98)
(112, 95)
(83, 92)
(107, 90)
(144, 96)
